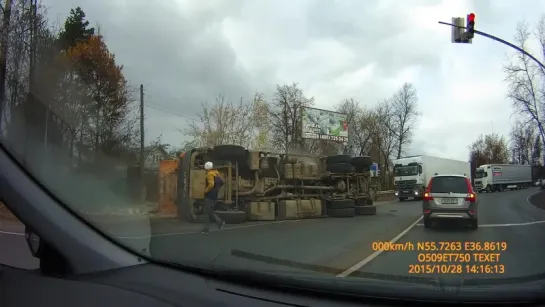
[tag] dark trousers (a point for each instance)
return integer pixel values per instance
(208, 214)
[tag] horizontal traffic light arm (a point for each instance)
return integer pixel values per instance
(498, 40)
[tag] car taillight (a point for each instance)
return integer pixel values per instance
(427, 193)
(427, 196)
(471, 197)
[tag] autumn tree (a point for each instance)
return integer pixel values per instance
(489, 149)
(105, 124)
(526, 79)
(285, 117)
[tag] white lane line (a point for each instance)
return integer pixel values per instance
(11, 233)
(504, 225)
(358, 265)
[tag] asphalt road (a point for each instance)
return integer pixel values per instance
(14, 251)
(344, 247)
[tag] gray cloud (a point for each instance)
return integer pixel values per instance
(186, 52)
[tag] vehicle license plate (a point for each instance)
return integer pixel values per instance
(449, 201)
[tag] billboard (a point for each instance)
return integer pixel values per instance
(324, 125)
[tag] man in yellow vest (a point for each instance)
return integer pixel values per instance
(213, 184)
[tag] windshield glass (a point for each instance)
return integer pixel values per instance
(480, 174)
(263, 135)
(444, 184)
(406, 170)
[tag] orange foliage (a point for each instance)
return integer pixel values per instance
(96, 66)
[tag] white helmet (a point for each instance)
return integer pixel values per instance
(208, 165)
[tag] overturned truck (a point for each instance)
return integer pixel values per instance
(263, 186)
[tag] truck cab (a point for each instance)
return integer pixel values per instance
(409, 179)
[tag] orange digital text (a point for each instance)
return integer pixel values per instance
(441, 246)
(456, 269)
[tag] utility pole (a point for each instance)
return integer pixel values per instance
(141, 169)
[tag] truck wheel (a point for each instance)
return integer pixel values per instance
(366, 210)
(346, 212)
(232, 217)
(340, 168)
(338, 159)
(340, 204)
(362, 162)
(229, 152)
(474, 224)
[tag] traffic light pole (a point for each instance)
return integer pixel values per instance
(501, 41)
(508, 44)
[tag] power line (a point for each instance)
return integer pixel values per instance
(169, 111)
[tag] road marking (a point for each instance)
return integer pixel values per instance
(365, 261)
(530, 203)
(11, 233)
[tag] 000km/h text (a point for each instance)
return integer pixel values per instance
(430, 246)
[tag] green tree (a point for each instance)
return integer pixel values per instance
(76, 29)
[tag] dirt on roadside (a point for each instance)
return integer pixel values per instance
(6, 215)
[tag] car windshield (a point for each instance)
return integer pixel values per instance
(449, 184)
(264, 135)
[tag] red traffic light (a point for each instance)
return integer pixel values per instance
(471, 17)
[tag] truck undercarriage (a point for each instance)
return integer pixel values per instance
(264, 186)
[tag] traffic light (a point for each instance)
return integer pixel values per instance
(470, 25)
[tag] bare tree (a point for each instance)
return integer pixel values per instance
(405, 114)
(230, 123)
(518, 143)
(526, 79)
(285, 117)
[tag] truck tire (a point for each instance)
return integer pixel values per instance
(229, 152)
(232, 217)
(363, 162)
(340, 168)
(346, 212)
(366, 210)
(338, 159)
(340, 204)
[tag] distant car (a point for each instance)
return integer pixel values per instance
(450, 197)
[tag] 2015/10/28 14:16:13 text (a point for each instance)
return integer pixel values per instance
(456, 269)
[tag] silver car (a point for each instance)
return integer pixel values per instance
(450, 197)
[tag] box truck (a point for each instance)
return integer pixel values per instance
(500, 177)
(412, 174)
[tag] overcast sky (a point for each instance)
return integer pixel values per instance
(188, 51)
